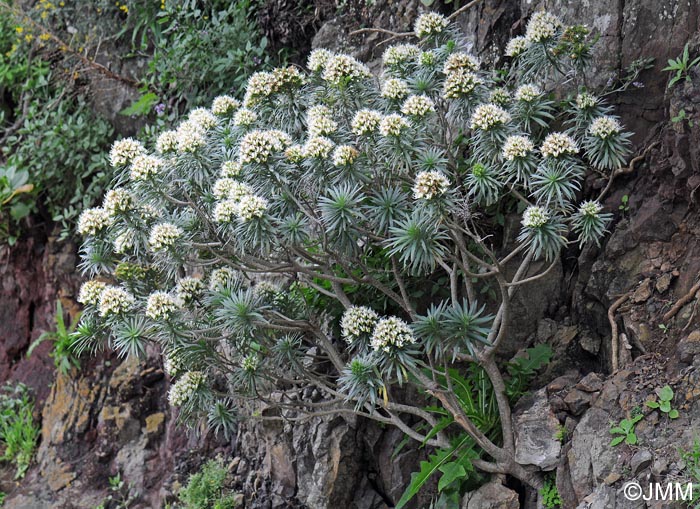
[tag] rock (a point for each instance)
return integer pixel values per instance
(689, 347)
(492, 495)
(563, 382)
(640, 461)
(590, 383)
(577, 401)
(589, 342)
(591, 459)
(643, 291)
(663, 282)
(535, 431)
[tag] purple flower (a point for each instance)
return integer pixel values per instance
(638, 84)
(160, 109)
(256, 60)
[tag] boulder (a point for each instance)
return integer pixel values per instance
(535, 432)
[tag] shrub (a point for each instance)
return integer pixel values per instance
(18, 433)
(341, 236)
(206, 488)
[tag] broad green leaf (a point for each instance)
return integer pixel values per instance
(450, 473)
(615, 441)
(665, 393)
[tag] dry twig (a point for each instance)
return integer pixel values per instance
(614, 343)
(682, 302)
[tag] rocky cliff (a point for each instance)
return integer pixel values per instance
(112, 416)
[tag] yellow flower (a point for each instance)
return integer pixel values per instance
(124, 9)
(19, 30)
(44, 37)
(29, 37)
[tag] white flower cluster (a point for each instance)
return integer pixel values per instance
(427, 59)
(173, 364)
(115, 301)
(117, 201)
(488, 116)
(460, 83)
(429, 184)
(257, 146)
(164, 236)
(318, 59)
(124, 241)
(245, 117)
(190, 137)
(202, 118)
(500, 96)
(542, 26)
(527, 93)
(260, 85)
(160, 305)
(516, 46)
(188, 289)
(294, 153)
(124, 151)
(585, 101)
(230, 169)
(144, 167)
(224, 105)
(357, 321)
(430, 23)
(517, 147)
(220, 278)
(250, 207)
(366, 122)
(319, 120)
(93, 220)
(400, 54)
(392, 125)
(394, 89)
(148, 212)
(418, 106)
(250, 363)
(185, 387)
(391, 333)
(535, 217)
(229, 188)
(166, 142)
(604, 127)
(343, 68)
(460, 60)
(557, 144)
(317, 147)
(266, 290)
(232, 193)
(90, 292)
(344, 155)
(590, 208)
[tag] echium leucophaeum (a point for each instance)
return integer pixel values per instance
(334, 234)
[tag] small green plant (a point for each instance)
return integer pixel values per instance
(120, 496)
(206, 489)
(13, 184)
(624, 431)
(664, 328)
(682, 115)
(562, 433)
(681, 67)
(665, 395)
(624, 203)
(63, 357)
(550, 494)
(18, 432)
(691, 458)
